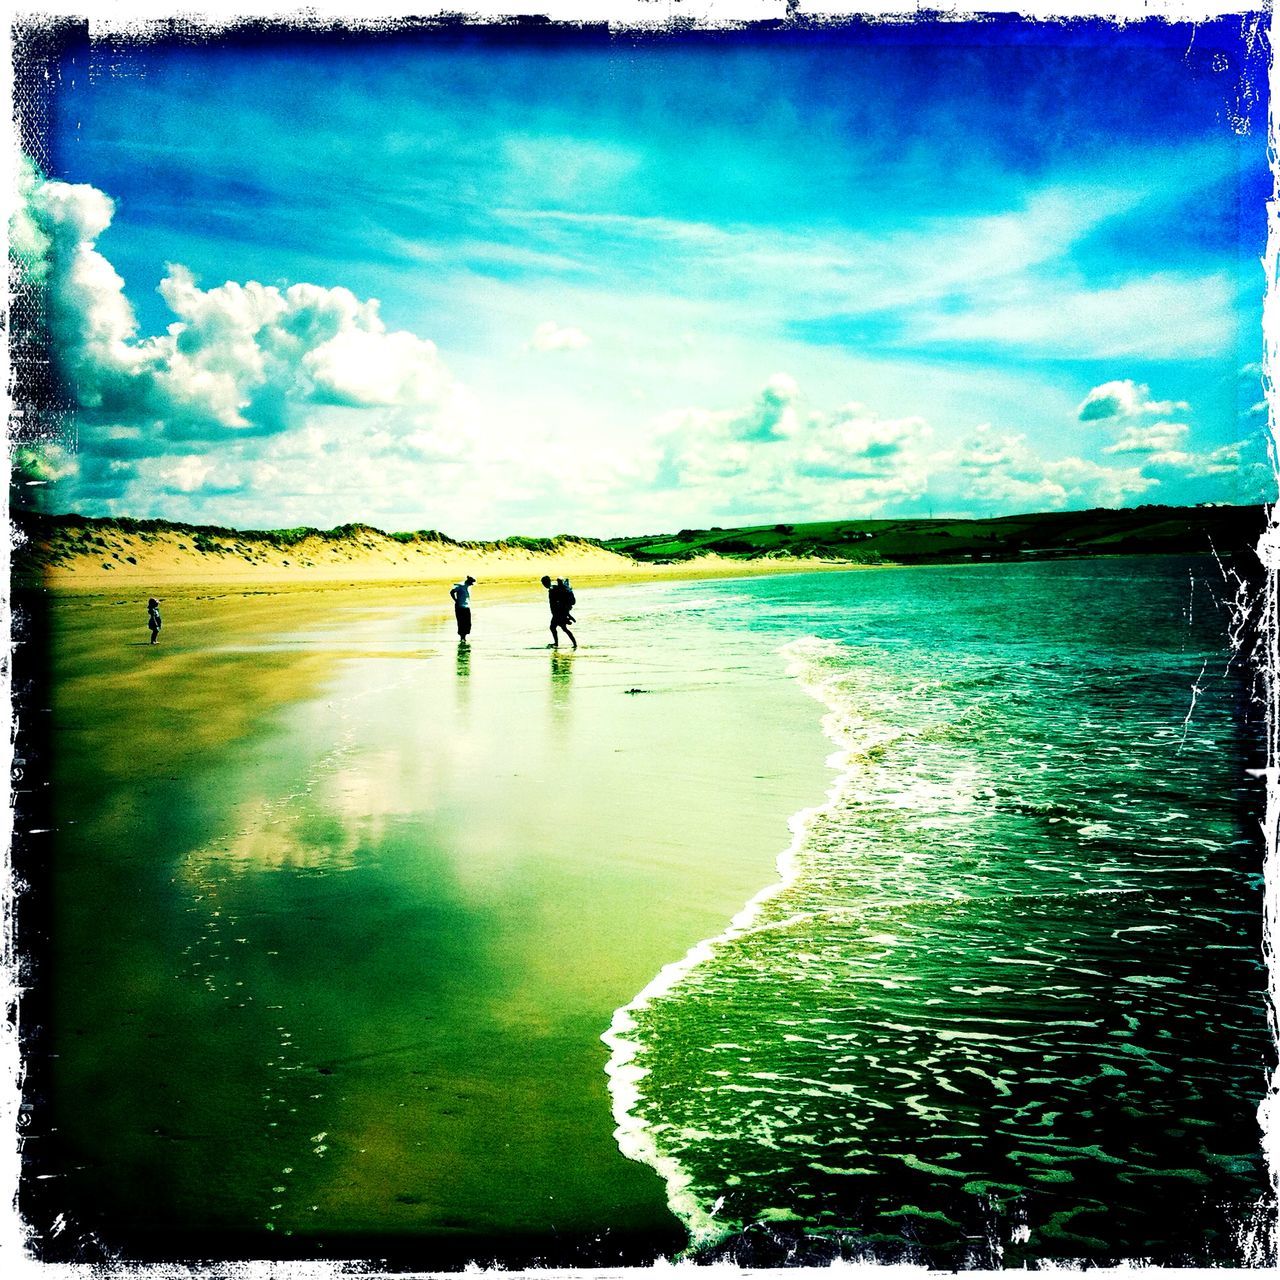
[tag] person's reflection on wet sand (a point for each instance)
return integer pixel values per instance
(463, 668)
(561, 685)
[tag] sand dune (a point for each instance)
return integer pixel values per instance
(73, 553)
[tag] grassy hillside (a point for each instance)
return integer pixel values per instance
(1057, 533)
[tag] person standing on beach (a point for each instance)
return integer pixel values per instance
(153, 618)
(561, 599)
(460, 593)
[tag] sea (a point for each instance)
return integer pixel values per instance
(1006, 1002)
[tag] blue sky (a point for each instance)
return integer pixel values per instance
(632, 283)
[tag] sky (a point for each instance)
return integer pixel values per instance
(498, 282)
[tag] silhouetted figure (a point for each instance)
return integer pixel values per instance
(460, 593)
(561, 599)
(153, 618)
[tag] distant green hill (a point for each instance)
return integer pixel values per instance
(1056, 533)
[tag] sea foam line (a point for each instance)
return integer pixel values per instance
(635, 1137)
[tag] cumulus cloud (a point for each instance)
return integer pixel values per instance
(297, 404)
(1093, 484)
(700, 445)
(28, 244)
(856, 443)
(198, 473)
(1158, 437)
(768, 455)
(1001, 470)
(1222, 461)
(770, 459)
(237, 358)
(772, 416)
(549, 336)
(1123, 399)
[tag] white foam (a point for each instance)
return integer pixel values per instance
(635, 1137)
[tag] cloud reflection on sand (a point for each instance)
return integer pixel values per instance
(337, 821)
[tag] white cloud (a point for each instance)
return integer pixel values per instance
(364, 367)
(772, 416)
(90, 321)
(768, 457)
(999, 469)
(1009, 278)
(298, 405)
(197, 473)
(549, 336)
(239, 357)
(1123, 399)
(1164, 316)
(28, 244)
(1222, 461)
(854, 442)
(1093, 484)
(1158, 437)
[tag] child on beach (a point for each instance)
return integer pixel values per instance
(153, 618)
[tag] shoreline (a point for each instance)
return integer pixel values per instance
(625, 1077)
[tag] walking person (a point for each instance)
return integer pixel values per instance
(460, 593)
(561, 599)
(153, 618)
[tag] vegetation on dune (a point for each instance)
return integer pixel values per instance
(423, 535)
(60, 539)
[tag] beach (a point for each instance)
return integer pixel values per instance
(339, 911)
(902, 915)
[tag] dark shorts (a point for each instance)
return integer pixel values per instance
(464, 619)
(560, 619)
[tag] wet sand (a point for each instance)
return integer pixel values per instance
(339, 911)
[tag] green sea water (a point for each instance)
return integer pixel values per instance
(1008, 1003)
